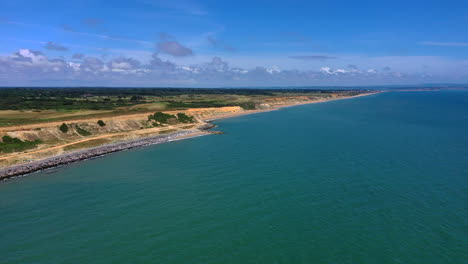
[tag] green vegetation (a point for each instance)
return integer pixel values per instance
(247, 105)
(101, 123)
(195, 104)
(20, 106)
(183, 118)
(63, 128)
(10, 144)
(112, 98)
(82, 131)
(161, 117)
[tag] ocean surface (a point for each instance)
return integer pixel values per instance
(376, 179)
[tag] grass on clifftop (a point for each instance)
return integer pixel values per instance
(19, 106)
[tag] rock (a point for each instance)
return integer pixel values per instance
(88, 153)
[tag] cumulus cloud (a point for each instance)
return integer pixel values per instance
(93, 65)
(216, 64)
(312, 57)
(26, 63)
(158, 64)
(29, 67)
(352, 70)
(123, 64)
(327, 70)
(31, 56)
(55, 46)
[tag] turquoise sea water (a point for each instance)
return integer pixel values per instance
(376, 179)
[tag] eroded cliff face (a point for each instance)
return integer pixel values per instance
(213, 112)
(292, 100)
(50, 132)
(89, 133)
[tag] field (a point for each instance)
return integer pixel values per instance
(19, 106)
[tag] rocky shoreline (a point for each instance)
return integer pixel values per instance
(76, 156)
(72, 157)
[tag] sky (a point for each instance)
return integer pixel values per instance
(208, 43)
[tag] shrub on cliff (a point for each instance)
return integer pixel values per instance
(10, 144)
(82, 131)
(64, 128)
(160, 117)
(248, 105)
(10, 140)
(183, 118)
(101, 123)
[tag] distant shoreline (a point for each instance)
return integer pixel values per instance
(76, 156)
(287, 106)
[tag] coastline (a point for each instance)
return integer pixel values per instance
(18, 170)
(75, 156)
(259, 111)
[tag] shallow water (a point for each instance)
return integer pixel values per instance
(375, 179)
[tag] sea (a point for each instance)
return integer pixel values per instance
(375, 179)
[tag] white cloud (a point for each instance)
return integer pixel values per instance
(28, 67)
(326, 70)
(273, 70)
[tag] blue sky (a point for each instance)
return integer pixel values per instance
(232, 43)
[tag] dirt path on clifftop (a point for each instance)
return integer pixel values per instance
(139, 132)
(56, 147)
